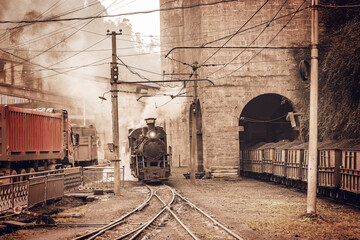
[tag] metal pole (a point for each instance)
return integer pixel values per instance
(115, 115)
(313, 131)
(193, 159)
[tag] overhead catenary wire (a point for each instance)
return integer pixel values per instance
(243, 31)
(277, 34)
(339, 6)
(25, 60)
(69, 70)
(170, 99)
(117, 15)
(228, 40)
(66, 28)
(139, 75)
(162, 45)
(255, 26)
(247, 119)
(202, 91)
(65, 59)
(89, 4)
(133, 72)
(53, 46)
(256, 38)
(163, 36)
(3, 36)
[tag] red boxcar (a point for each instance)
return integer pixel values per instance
(32, 140)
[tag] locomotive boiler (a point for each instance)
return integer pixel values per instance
(149, 160)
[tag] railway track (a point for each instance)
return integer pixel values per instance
(165, 214)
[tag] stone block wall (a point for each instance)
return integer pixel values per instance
(239, 75)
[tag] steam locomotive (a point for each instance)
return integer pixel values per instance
(149, 160)
(33, 140)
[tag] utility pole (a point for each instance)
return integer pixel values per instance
(313, 128)
(115, 113)
(193, 159)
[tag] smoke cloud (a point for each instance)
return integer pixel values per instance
(73, 59)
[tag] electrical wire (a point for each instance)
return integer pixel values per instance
(132, 71)
(203, 90)
(255, 26)
(70, 70)
(63, 68)
(141, 76)
(257, 11)
(243, 31)
(31, 22)
(63, 60)
(339, 6)
(262, 121)
(67, 27)
(266, 44)
(53, 46)
(162, 45)
(118, 15)
(170, 99)
(25, 60)
(257, 37)
(4, 35)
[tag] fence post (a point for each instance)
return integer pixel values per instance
(12, 195)
(82, 176)
(45, 188)
(28, 194)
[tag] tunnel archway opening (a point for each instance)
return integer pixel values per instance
(263, 119)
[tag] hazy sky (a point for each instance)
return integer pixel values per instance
(146, 24)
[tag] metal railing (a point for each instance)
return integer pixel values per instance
(27, 190)
(31, 190)
(101, 176)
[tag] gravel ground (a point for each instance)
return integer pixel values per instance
(251, 208)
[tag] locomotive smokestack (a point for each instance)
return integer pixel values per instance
(150, 122)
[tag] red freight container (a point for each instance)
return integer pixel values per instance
(30, 135)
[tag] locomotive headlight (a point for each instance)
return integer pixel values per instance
(152, 134)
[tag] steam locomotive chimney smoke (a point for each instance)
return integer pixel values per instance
(150, 122)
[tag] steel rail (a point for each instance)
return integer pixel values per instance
(129, 233)
(209, 217)
(175, 216)
(154, 218)
(99, 231)
(145, 225)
